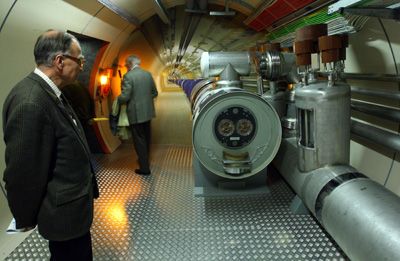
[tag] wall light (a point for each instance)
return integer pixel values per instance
(105, 82)
(103, 79)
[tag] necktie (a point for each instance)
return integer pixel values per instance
(71, 113)
(68, 108)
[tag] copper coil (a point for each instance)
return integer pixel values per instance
(311, 32)
(303, 59)
(306, 46)
(303, 50)
(331, 55)
(333, 48)
(329, 42)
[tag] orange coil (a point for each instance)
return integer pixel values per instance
(331, 48)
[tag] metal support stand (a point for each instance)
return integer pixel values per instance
(211, 185)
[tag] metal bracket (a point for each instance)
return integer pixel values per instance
(341, 4)
(380, 12)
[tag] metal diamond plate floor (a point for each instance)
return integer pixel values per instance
(157, 218)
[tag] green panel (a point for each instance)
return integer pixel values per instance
(319, 17)
(316, 18)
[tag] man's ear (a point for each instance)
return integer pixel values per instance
(59, 62)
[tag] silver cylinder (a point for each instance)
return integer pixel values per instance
(274, 65)
(363, 218)
(289, 120)
(214, 63)
(361, 215)
(236, 134)
(323, 115)
(199, 88)
(278, 101)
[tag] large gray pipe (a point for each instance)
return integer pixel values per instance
(361, 215)
(387, 94)
(377, 135)
(367, 76)
(385, 112)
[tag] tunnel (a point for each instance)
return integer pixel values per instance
(276, 134)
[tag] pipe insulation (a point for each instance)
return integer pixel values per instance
(361, 215)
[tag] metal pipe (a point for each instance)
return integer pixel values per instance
(361, 215)
(253, 85)
(121, 12)
(260, 85)
(213, 63)
(367, 76)
(392, 95)
(160, 10)
(385, 112)
(371, 76)
(243, 79)
(377, 135)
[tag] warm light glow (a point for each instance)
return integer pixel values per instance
(118, 213)
(113, 215)
(103, 79)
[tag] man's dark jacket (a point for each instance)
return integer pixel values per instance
(48, 177)
(138, 91)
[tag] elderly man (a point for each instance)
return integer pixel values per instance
(49, 179)
(138, 91)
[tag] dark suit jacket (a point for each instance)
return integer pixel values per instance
(80, 100)
(138, 91)
(48, 177)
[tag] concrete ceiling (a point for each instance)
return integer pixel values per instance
(212, 33)
(180, 31)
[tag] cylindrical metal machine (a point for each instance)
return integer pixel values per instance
(236, 134)
(360, 214)
(188, 85)
(274, 65)
(323, 115)
(214, 63)
(202, 87)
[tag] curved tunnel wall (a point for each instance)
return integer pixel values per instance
(370, 52)
(27, 19)
(23, 20)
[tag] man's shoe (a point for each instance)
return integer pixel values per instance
(141, 172)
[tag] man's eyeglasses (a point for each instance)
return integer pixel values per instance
(79, 60)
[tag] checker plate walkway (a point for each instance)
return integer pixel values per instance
(157, 217)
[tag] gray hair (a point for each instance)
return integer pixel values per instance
(50, 44)
(133, 60)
